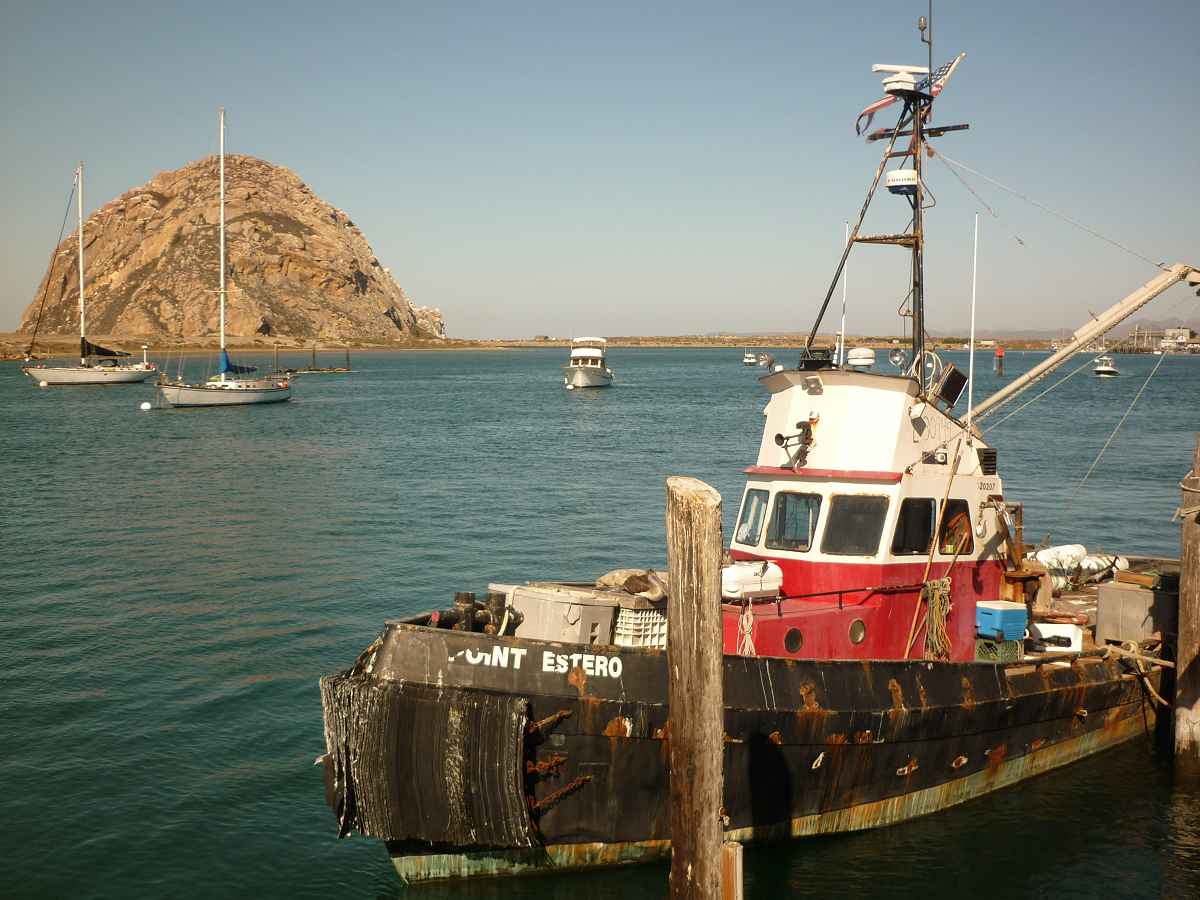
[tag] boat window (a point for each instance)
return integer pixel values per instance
(750, 521)
(956, 529)
(914, 527)
(793, 521)
(854, 525)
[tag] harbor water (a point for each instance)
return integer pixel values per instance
(174, 582)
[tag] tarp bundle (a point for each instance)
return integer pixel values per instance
(228, 368)
(87, 348)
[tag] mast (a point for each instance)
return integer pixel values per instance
(222, 239)
(79, 208)
(918, 250)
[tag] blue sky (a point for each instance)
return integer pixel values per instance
(635, 168)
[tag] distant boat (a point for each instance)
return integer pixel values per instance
(227, 387)
(104, 371)
(588, 366)
(749, 358)
(764, 360)
(314, 369)
(1104, 368)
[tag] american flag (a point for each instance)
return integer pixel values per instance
(939, 78)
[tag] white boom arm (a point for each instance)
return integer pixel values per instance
(1106, 321)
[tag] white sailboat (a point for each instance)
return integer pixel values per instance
(228, 387)
(97, 365)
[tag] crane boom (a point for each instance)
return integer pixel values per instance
(1100, 324)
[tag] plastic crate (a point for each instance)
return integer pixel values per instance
(998, 651)
(640, 628)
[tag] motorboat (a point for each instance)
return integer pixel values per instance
(1104, 367)
(588, 366)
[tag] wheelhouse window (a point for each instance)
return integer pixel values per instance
(793, 521)
(750, 520)
(854, 525)
(956, 534)
(914, 527)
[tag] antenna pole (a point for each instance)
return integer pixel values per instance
(222, 241)
(971, 364)
(845, 277)
(79, 208)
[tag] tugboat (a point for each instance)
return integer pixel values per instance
(873, 610)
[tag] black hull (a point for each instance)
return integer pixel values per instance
(434, 745)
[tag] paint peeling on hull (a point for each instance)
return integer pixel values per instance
(423, 867)
(559, 772)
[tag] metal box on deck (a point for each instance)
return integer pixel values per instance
(1001, 620)
(1126, 612)
(554, 613)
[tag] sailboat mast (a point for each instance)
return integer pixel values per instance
(79, 208)
(222, 214)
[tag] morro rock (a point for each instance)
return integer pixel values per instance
(298, 268)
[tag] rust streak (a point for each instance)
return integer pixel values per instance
(968, 695)
(578, 679)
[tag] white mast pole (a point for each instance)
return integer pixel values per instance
(79, 207)
(971, 363)
(222, 240)
(845, 278)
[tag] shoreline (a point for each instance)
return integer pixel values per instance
(12, 344)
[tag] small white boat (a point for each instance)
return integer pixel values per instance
(227, 387)
(107, 370)
(587, 367)
(749, 358)
(1104, 367)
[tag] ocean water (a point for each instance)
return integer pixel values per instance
(174, 582)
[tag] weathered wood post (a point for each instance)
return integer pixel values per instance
(696, 729)
(1187, 647)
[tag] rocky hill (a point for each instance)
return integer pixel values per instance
(298, 268)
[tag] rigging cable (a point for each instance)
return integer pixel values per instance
(46, 287)
(1037, 397)
(1132, 403)
(1053, 212)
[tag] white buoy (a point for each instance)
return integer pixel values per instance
(145, 405)
(570, 387)
(43, 384)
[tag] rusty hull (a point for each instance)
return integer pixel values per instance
(810, 746)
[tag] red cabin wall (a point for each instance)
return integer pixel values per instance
(862, 593)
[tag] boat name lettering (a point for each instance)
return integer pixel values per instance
(498, 657)
(592, 663)
(987, 485)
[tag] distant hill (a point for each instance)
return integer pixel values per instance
(298, 267)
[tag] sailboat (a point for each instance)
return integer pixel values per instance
(97, 365)
(229, 387)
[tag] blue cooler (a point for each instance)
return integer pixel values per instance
(1000, 620)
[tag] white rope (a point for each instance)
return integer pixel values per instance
(746, 631)
(1093, 232)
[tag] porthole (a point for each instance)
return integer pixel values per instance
(793, 640)
(858, 631)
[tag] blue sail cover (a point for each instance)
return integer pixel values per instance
(228, 368)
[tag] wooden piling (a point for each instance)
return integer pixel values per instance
(1187, 646)
(696, 728)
